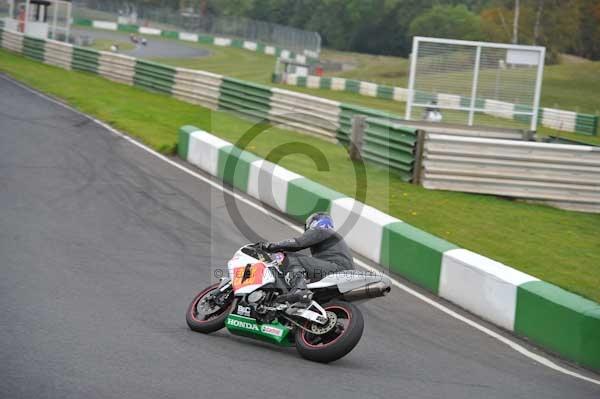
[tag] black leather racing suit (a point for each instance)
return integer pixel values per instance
(330, 253)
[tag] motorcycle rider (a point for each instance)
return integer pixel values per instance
(329, 252)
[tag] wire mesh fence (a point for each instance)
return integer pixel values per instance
(4, 8)
(475, 83)
(188, 20)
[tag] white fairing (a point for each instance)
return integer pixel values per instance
(345, 281)
(349, 280)
(240, 259)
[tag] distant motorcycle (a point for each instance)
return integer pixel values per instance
(246, 303)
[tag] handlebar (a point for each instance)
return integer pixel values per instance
(258, 252)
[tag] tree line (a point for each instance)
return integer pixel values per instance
(387, 26)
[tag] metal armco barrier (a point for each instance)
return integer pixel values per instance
(154, 76)
(390, 144)
(565, 176)
(33, 48)
(85, 60)
(116, 67)
(302, 112)
(348, 111)
(12, 41)
(467, 131)
(246, 98)
(197, 87)
(58, 55)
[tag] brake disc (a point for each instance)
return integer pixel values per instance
(323, 329)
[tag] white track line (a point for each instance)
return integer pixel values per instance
(512, 344)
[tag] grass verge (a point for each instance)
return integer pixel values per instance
(557, 246)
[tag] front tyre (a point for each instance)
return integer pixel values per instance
(209, 309)
(336, 339)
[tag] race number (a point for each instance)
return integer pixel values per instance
(248, 275)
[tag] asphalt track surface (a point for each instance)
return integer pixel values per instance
(156, 47)
(102, 247)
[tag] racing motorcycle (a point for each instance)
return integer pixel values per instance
(246, 303)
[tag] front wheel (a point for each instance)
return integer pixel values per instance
(209, 309)
(336, 338)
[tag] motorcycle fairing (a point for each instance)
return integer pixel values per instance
(349, 280)
(274, 332)
(248, 274)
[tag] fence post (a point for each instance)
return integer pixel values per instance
(418, 153)
(359, 124)
(529, 135)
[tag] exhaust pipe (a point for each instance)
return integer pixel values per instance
(372, 290)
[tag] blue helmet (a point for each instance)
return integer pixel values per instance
(319, 221)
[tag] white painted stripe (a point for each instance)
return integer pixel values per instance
(116, 67)
(149, 31)
(313, 82)
(188, 37)
(268, 183)
(507, 341)
(291, 79)
(338, 84)
(482, 286)
(448, 100)
(10, 24)
(250, 46)
(368, 89)
(301, 58)
(105, 25)
(559, 119)
(12, 41)
(361, 226)
(400, 94)
(222, 41)
(203, 151)
(500, 109)
(58, 54)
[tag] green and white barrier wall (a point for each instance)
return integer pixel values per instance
(249, 45)
(547, 315)
(557, 119)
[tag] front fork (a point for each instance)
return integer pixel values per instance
(224, 284)
(217, 297)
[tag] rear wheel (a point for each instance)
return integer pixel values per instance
(336, 338)
(209, 309)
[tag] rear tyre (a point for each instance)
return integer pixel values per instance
(205, 314)
(340, 337)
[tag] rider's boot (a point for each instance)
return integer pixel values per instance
(298, 292)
